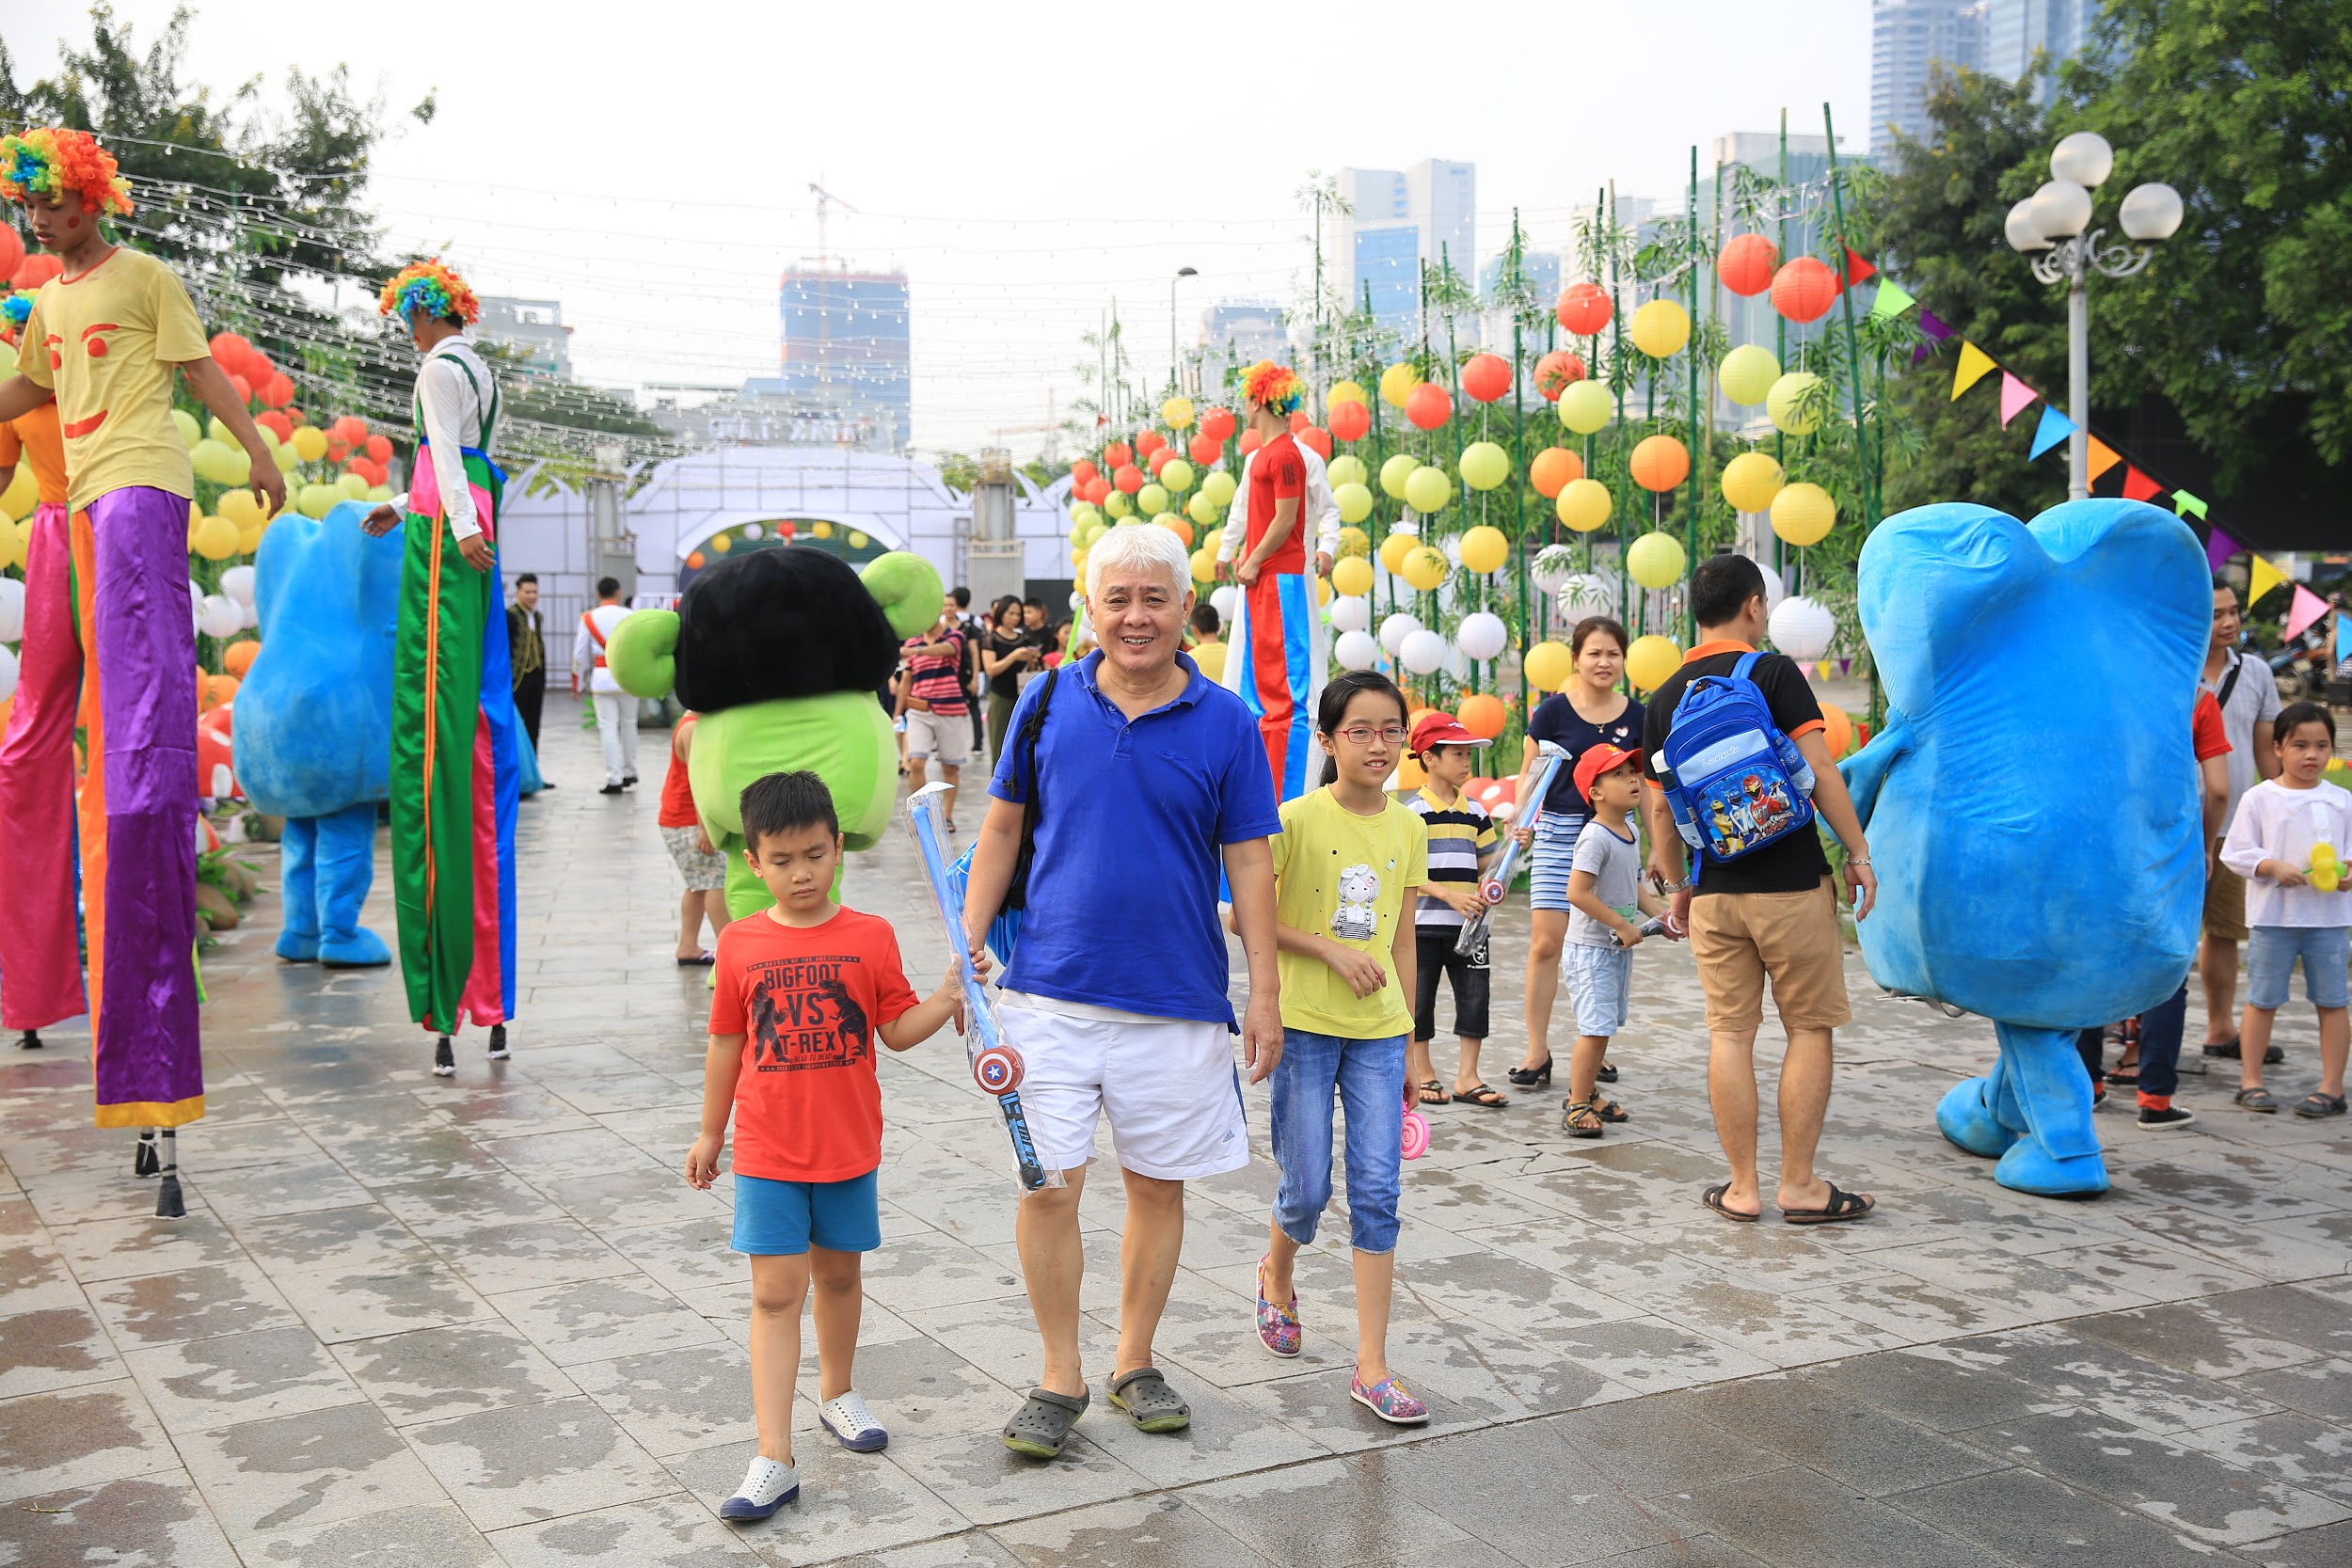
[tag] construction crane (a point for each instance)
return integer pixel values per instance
(825, 308)
(823, 197)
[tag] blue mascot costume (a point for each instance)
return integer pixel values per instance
(2032, 803)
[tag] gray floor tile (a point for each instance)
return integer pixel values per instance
(152, 1521)
(673, 1532)
(851, 1504)
(1645, 1447)
(1795, 1518)
(1332, 1512)
(1820, 1424)
(201, 1383)
(2314, 1455)
(673, 1401)
(189, 1304)
(57, 1347)
(79, 1438)
(1135, 1533)
(299, 1472)
(525, 1464)
(2030, 1518)
(2328, 1546)
(429, 1374)
(600, 1319)
(425, 1536)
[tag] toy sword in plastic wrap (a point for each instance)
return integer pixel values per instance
(1550, 758)
(996, 1064)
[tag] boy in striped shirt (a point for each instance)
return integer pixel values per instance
(938, 718)
(1461, 839)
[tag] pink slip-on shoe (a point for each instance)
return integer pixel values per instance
(1277, 1326)
(1389, 1399)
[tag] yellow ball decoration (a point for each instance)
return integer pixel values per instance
(22, 493)
(1080, 516)
(1427, 490)
(1177, 476)
(241, 509)
(1219, 487)
(1652, 662)
(310, 443)
(318, 500)
(1351, 576)
(1346, 391)
(1397, 382)
(1747, 374)
(1078, 565)
(1394, 549)
(12, 542)
(1794, 404)
(1355, 502)
(1348, 468)
(1750, 481)
(190, 431)
(1355, 541)
(1201, 510)
(1584, 504)
(857, 539)
(1118, 504)
(1395, 471)
(1586, 407)
(1655, 560)
(1485, 465)
(1152, 500)
(1803, 514)
(1426, 568)
(1176, 413)
(354, 485)
(1659, 328)
(1213, 541)
(720, 544)
(1484, 549)
(1203, 566)
(823, 531)
(1323, 591)
(250, 539)
(1549, 665)
(216, 539)
(284, 457)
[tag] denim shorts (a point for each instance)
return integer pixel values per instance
(1600, 983)
(785, 1218)
(1367, 1078)
(2270, 954)
(1548, 858)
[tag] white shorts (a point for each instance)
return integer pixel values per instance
(945, 736)
(1169, 1086)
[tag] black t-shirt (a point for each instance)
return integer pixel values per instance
(1795, 863)
(1006, 682)
(1556, 721)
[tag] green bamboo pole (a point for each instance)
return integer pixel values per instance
(1691, 352)
(1616, 357)
(1853, 353)
(1518, 462)
(1780, 329)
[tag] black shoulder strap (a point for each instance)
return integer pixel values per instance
(2228, 682)
(1017, 892)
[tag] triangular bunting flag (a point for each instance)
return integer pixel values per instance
(2264, 577)
(1974, 365)
(2344, 637)
(1858, 269)
(2220, 547)
(2055, 427)
(2308, 607)
(2102, 457)
(1919, 354)
(1932, 325)
(2188, 505)
(2015, 396)
(1892, 301)
(2139, 487)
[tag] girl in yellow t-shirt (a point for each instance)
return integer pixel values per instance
(1344, 867)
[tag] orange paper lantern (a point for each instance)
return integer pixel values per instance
(1129, 478)
(1216, 422)
(1117, 455)
(1205, 450)
(1659, 462)
(1318, 439)
(1746, 264)
(1148, 442)
(1836, 730)
(1554, 469)
(1251, 441)
(1556, 371)
(1350, 421)
(1298, 420)
(1428, 406)
(1484, 716)
(1583, 308)
(1804, 290)
(238, 657)
(1485, 377)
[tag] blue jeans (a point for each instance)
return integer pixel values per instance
(1368, 1077)
(2160, 1029)
(2270, 954)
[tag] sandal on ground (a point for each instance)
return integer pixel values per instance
(1578, 1119)
(1482, 1097)
(1532, 1077)
(1607, 1073)
(1389, 1399)
(698, 961)
(1842, 1205)
(1149, 1402)
(1278, 1328)
(2228, 1048)
(2314, 1106)
(1609, 1110)
(1713, 1198)
(1432, 1093)
(2257, 1099)
(1039, 1427)
(2125, 1073)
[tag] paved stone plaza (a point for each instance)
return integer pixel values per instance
(442, 1324)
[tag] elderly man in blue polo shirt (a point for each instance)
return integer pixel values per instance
(1137, 779)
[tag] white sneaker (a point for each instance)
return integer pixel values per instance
(851, 1424)
(767, 1486)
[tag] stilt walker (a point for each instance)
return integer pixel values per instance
(1278, 660)
(115, 643)
(455, 776)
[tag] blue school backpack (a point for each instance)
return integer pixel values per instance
(1733, 780)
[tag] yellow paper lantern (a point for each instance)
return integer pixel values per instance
(1395, 471)
(1425, 567)
(1219, 487)
(12, 543)
(1427, 489)
(1214, 540)
(1210, 656)
(1655, 560)
(1151, 501)
(1747, 373)
(1176, 475)
(1484, 549)
(1201, 510)
(1348, 468)
(354, 485)
(22, 493)
(1176, 413)
(1549, 665)
(1344, 392)
(1078, 565)
(857, 539)
(1394, 549)
(310, 443)
(1793, 404)
(1355, 502)
(1323, 591)
(1652, 662)
(1586, 407)
(190, 431)
(284, 457)
(240, 508)
(1659, 328)
(216, 539)
(1355, 541)
(1203, 566)
(823, 531)
(1485, 465)
(1397, 382)
(1118, 504)
(319, 499)
(720, 544)
(1584, 504)
(1750, 481)
(1351, 576)
(1803, 514)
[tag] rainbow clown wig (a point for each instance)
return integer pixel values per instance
(15, 311)
(54, 162)
(1277, 387)
(431, 289)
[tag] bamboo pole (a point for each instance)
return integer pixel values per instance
(1691, 351)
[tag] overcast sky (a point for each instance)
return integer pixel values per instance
(1028, 164)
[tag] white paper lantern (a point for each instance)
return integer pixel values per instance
(7, 674)
(1457, 664)
(237, 582)
(1228, 602)
(1422, 652)
(219, 616)
(11, 610)
(1775, 590)
(1482, 635)
(1356, 650)
(1585, 593)
(1803, 628)
(251, 615)
(1351, 612)
(1395, 629)
(753, 530)
(1554, 566)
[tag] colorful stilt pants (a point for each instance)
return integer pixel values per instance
(1276, 667)
(109, 646)
(454, 778)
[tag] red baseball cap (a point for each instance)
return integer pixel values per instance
(1441, 729)
(1597, 760)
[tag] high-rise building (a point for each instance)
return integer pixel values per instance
(532, 329)
(1240, 331)
(1909, 39)
(847, 348)
(1539, 274)
(2015, 30)
(1425, 213)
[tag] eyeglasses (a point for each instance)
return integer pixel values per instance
(1364, 734)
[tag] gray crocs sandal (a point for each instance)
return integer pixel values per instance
(1149, 1402)
(1039, 1427)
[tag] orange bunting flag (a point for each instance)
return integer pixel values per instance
(2102, 457)
(1974, 365)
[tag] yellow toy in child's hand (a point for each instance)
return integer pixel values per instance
(2326, 869)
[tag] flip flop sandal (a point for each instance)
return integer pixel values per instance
(1607, 1073)
(2125, 1073)
(1481, 1097)
(1842, 1205)
(1713, 1198)
(2314, 1106)
(2255, 1099)
(1578, 1119)
(1609, 1110)
(1149, 1402)
(1039, 1427)
(1432, 1093)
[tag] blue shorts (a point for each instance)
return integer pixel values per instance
(785, 1218)
(1600, 983)
(1548, 858)
(2270, 954)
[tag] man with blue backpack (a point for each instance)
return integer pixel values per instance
(1740, 773)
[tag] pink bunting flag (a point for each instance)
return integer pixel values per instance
(2015, 397)
(2308, 607)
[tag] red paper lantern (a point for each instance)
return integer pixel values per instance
(278, 392)
(1082, 470)
(1554, 469)
(34, 271)
(245, 387)
(1583, 308)
(1095, 491)
(1805, 288)
(1317, 438)
(337, 449)
(1659, 462)
(1161, 457)
(786, 528)
(1298, 420)
(353, 429)
(1746, 264)
(1428, 406)
(1485, 377)
(379, 450)
(1251, 441)
(11, 250)
(1216, 422)
(1350, 421)
(229, 350)
(1128, 478)
(273, 419)
(1206, 449)
(1555, 371)
(1117, 455)
(1148, 442)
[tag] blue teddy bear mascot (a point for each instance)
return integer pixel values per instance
(2032, 803)
(314, 721)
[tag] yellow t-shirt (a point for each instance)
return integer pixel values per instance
(1348, 877)
(106, 342)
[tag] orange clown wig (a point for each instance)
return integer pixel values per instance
(54, 162)
(1277, 387)
(432, 289)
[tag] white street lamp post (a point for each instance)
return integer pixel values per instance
(1175, 368)
(2053, 226)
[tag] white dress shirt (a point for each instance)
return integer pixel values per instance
(452, 385)
(2277, 823)
(1320, 508)
(587, 656)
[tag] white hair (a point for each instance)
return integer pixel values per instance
(1139, 545)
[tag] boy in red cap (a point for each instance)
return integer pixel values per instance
(1461, 840)
(1605, 897)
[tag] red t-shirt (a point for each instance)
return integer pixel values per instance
(677, 790)
(2207, 729)
(808, 1001)
(1276, 473)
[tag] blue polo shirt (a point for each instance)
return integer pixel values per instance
(1133, 818)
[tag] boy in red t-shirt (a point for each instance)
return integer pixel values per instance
(1276, 661)
(803, 990)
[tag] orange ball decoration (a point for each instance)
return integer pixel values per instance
(1148, 442)
(11, 250)
(1251, 441)
(1428, 406)
(1216, 422)
(1836, 730)
(1554, 469)
(1350, 421)
(1804, 290)
(1117, 455)
(1659, 462)
(34, 271)
(1083, 471)
(1485, 377)
(1583, 308)
(1299, 420)
(1484, 716)
(695, 561)
(238, 658)
(1746, 264)
(1556, 371)
(1095, 491)
(1317, 440)
(1129, 478)
(1161, 457)
(1205, 450)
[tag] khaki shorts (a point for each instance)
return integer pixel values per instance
(1739, 938)
(2225, 904)
(945, 736)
